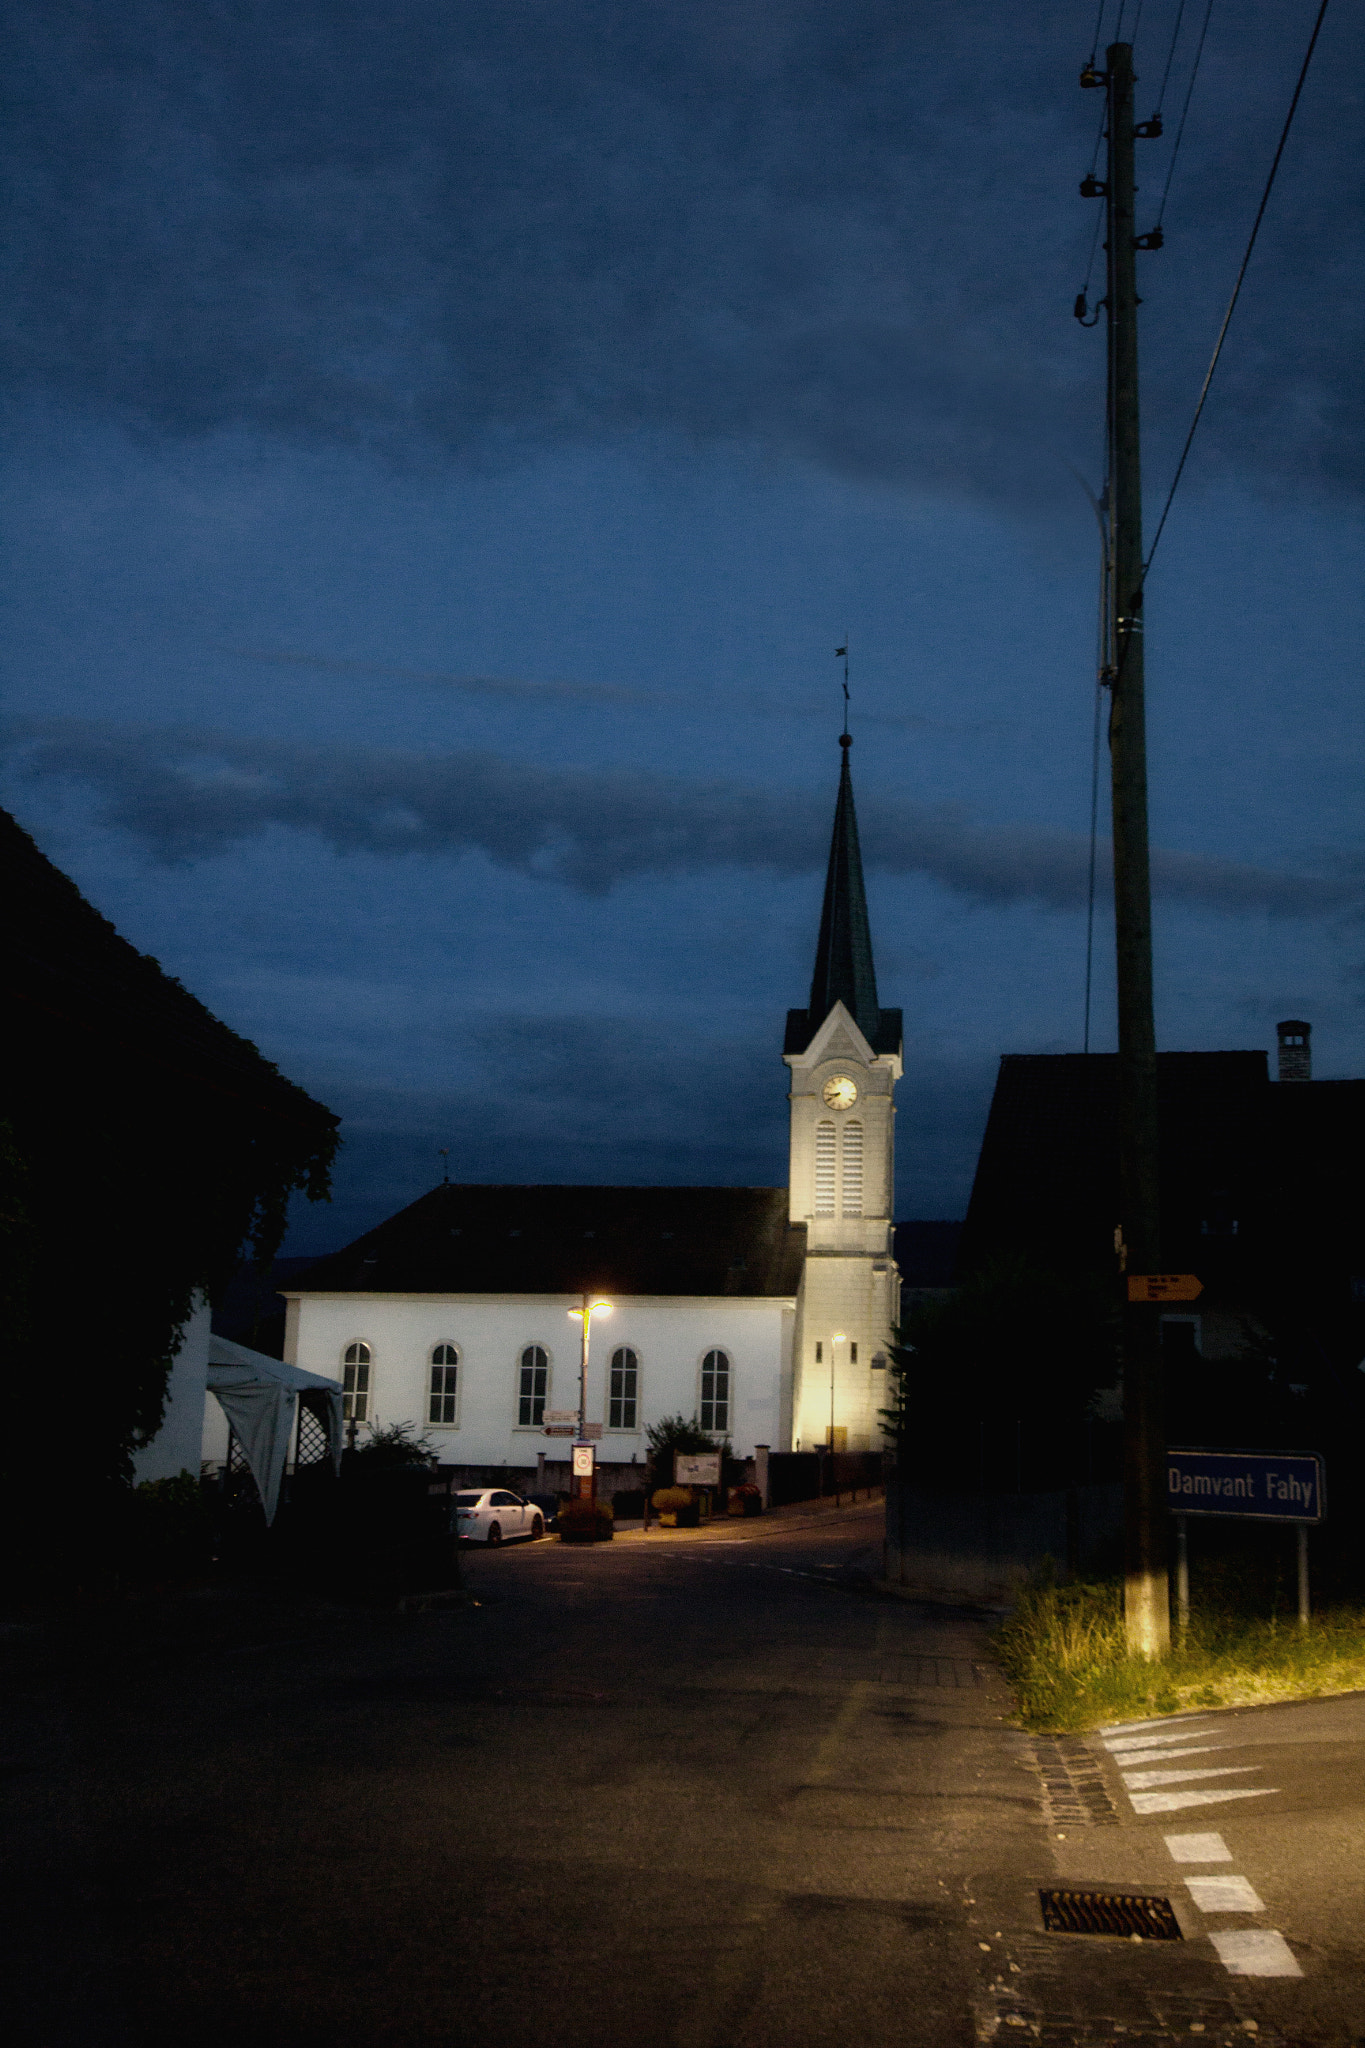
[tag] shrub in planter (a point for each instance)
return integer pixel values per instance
(745, 1500)
(677, 1507)
(585, 1521)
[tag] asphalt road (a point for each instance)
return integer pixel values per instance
(687, 1789)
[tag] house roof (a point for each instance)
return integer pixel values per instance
(71, 973)
(1243, 1161)
(475, 1239)
(844, 970)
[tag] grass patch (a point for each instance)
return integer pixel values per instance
(1063, 1651)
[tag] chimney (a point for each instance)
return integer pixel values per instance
(1296, 1058)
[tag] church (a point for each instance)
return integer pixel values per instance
(764, 1312)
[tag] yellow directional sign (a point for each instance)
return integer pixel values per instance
(1164, 1287)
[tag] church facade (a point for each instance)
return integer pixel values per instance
(764, 1312)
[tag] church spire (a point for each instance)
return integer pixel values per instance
(843, 953)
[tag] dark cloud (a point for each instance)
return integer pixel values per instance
(187, 795)
(848, 234)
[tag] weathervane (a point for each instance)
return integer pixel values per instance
(841, 654)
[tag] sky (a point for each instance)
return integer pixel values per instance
(444, 448)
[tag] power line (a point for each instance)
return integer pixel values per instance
(1170, 58)
(1236, 289)
(1184, 111)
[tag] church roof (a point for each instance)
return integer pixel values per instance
(558, 1240)
(843, 952)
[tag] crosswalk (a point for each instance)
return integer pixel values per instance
(1152, 1764)
(1145, 1761)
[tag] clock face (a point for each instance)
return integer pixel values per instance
(840, 1092)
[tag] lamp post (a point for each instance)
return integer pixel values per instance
(584, 1316)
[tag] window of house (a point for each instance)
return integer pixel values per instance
(853, 1352)
(533, 1384)
(355, 1382)
(1180, 1339)
(824, 1169)
(443, 1385)
(819, 1353)
(852, 1161)
(623, 1388)
(715, 1391)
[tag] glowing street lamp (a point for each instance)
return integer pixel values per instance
(584, 1316)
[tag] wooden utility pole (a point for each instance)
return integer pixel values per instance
(1146, 1586)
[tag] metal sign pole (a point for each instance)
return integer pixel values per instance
(1182, 1571)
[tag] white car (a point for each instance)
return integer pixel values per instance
(495, 1516)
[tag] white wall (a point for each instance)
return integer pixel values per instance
(176, 1446)
(669, 1335)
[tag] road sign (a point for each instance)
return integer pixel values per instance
(558, 1428)
(584, 1459)
(1257, 1486)
(696, 1468)
(1164, 1287)
(561, 1415)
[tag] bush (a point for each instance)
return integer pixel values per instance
(585, 1521)
(167, 1528)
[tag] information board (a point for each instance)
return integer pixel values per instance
(696, 1468)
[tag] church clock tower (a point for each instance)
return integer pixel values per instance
(844, 1053)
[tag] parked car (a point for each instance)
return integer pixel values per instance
(494, 1515)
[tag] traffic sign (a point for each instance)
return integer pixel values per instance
(560, 1415)
(591, 1433)
(1164, 1287)
(584, 1458)
(1256, 1486)
(557, 1428)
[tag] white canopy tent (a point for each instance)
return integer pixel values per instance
(260, 1397)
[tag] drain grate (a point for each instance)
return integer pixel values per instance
(1121, 1913)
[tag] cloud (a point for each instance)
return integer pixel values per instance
(188, 795)
(848, 235)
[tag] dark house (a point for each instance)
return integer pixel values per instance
(1262, 1194)
(144, 1144)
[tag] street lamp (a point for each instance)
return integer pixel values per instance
(584, 1316)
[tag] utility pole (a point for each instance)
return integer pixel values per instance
(1146, 1599)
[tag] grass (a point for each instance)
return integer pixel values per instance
(1063, 1651)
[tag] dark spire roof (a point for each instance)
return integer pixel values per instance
(843, 954)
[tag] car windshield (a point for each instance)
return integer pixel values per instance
(468, 1500)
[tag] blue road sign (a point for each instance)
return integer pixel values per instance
(1259, 1486)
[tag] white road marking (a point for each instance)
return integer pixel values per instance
(1136, 1781)
(1224, 1895)
(1112, 1743)
(1145, 1756)
(1145, 1727)
(1256, 1952)
(1198, 1849)
(1172, 1802)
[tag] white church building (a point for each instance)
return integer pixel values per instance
(764, 1312)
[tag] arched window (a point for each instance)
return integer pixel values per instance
(824, 1169)
(443, 1385)
(355, 1382)
(852, 1161)
(533, 1385)
(715, 1391)
(623, 1389)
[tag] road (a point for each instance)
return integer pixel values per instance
(686, 1789)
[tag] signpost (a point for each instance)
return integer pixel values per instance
(1164, 1287)
(1250, 1486)
(584, 1471)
